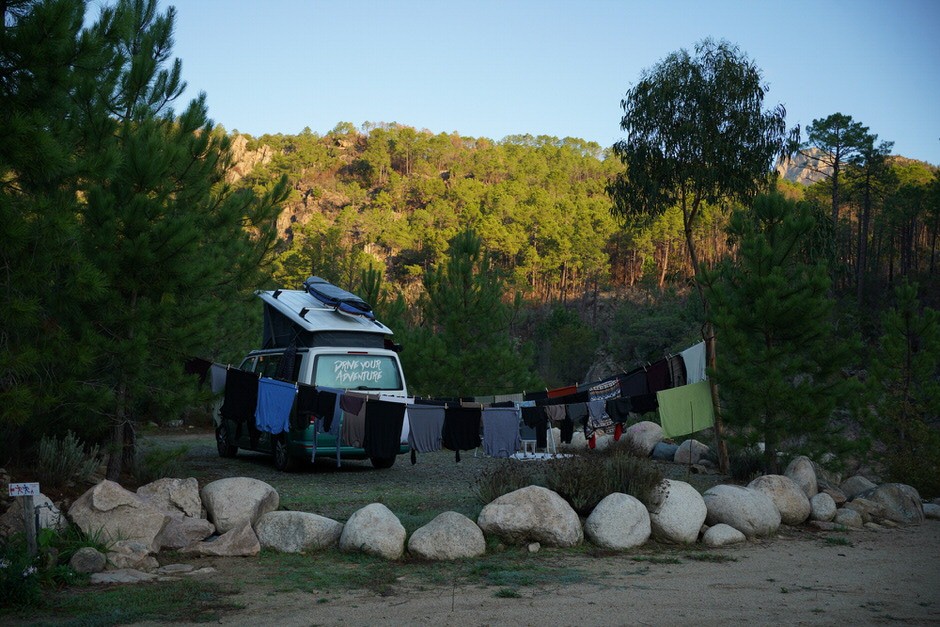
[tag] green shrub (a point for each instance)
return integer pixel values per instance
(19, 575)
(66, 461)
(503, 479)
(744, 464)
(155, 463)
(585, 479)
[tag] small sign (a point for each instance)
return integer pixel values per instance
(24, 489)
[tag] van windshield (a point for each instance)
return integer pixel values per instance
(357, 372)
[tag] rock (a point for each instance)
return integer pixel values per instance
(722, 535)
(130, 554)
(117, 514)
(578, 441)
(802, 471)
(183, 531)
(848, 518)
(678, 513)
(88, 560)
(823, 525)
(838, 496)
(873, 526)
(690, 452)
(175, 569)
(825, 477)
(124, 575)
(49, 515)
(240, 541)
(296, 532)
(643, 436)
(602, 442)
(534, 547)
(374, 529)
(618, 522)
(230, 502)
(932, 511)
(449, 536)
(532, 514)
(748, 510)
(901, 502)
(822, 507)
(787, 495)
(855, 485)
(868, 510)
(173, 495)
(665, 452)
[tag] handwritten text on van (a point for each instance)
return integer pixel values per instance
(358, 370)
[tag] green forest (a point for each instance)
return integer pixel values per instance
(135, 231)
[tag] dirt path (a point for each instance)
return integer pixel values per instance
(887, 576)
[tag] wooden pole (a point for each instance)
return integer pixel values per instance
(29, 524)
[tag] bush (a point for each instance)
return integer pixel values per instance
(66, 461)
(744, 464)
(19, 576)
(583, 479)
(155, 463)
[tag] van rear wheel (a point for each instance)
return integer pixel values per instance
(226, 448)
(282, 458)
(382, 462)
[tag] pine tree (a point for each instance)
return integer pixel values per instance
(152, 253)
(781, 373)
(464, 345)
(906, 370)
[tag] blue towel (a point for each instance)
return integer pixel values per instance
(275, 400)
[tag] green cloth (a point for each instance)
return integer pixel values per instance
(686, 409)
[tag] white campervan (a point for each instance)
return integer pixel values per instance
(320, 336)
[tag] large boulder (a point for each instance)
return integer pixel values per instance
(49, 516)
(932, 511)
(901, 502)
(643, 436)
(618, 522)
(678, 513)
(847, 517)
(130, 554)
(374, 529)
(788, 497)
(690, 452)
(181, 495)
(118, 514)
(449, 536)
(532, 514)
(855, 485)
(867, 509)
(181, 531)
(240, 541)
(803, 472)
(664, 451)
(822, 507)
(297, 532)
(748, 510)
(722, 535)
(230, 502)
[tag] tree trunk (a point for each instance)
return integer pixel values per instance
(711, 344)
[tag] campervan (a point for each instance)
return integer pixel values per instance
(325, 337)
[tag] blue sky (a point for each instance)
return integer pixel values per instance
(491, 69)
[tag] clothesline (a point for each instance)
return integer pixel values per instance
(671, 385)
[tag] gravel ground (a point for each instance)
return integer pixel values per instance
(416, 493)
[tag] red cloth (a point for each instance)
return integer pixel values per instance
(592, 442)
(618, 431)
(571, 389)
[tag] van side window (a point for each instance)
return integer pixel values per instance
(267, 365)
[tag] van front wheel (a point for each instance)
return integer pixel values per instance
(382, 462)
(282, 458)
(226, 449)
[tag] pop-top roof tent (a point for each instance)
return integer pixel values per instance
(319, 315)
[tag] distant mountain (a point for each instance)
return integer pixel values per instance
(804, 169)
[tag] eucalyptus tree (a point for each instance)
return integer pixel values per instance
(697, 133)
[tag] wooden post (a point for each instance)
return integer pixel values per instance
(29, 524)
